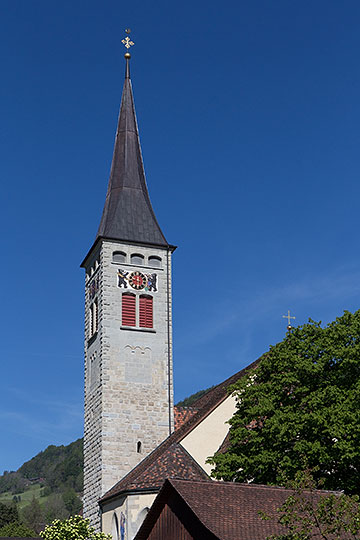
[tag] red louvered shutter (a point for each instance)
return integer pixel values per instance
(128, 310)
(146, 312)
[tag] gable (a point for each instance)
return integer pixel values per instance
(207, 437)
(171, 518)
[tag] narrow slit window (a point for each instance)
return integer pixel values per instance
(146, 311)
(90, 321)
(128, 309)
(138, 447)
(95, 317)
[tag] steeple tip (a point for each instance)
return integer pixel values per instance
(127, 57)
(128, 214)
(128, 43)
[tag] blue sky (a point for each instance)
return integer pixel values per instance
(249, 120)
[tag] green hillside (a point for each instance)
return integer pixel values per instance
(57, 468)
(51, 483)
(25, 497)
(46, 487)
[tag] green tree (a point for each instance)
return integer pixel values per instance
(310, 513)
(33, 515)
(74, 528)
(16, 529)
(45, 492)
(54, 508)
(12, 481)
(8, 514)
(300, 407)
(72, 502)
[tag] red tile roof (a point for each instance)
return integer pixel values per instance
(227, 510)
(182, 415)
(157, 466)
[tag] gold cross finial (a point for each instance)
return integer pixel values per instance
(127, 41)
(288, 317)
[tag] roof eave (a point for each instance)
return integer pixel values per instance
(136, 491)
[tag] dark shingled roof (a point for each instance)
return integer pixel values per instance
(223, 510)
(158, 465)
(128, 214)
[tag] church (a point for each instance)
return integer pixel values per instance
(133, 441)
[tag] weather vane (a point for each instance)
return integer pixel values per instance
(288, 317)
(127, 41)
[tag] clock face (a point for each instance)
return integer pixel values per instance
(137, 280)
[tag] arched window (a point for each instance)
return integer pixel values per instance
(141, 516)
(138, 447)
(93, 318)
(146, 311)
(90, 321)
(136, 258)
(128, 309)
(115, 527)
(154, 261)
(119, 257)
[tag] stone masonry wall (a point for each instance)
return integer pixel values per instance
(128, 376)
(93, 402)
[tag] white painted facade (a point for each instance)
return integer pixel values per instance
(206, 438)
(134, 507)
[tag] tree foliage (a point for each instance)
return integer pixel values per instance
(190, 400)
(74, 528)
(12, 482)
(71, 501)
(309, 513)
(8, 514)
(16, 529)
(54, 508)
(300, 407)
(33, 516)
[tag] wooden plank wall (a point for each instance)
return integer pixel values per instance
(169, 527)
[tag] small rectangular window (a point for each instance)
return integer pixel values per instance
(128, 310)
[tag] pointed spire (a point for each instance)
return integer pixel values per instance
(128, 214)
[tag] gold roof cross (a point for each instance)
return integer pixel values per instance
(288, 317)
(127, 41)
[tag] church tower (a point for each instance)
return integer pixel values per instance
(128, 327)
